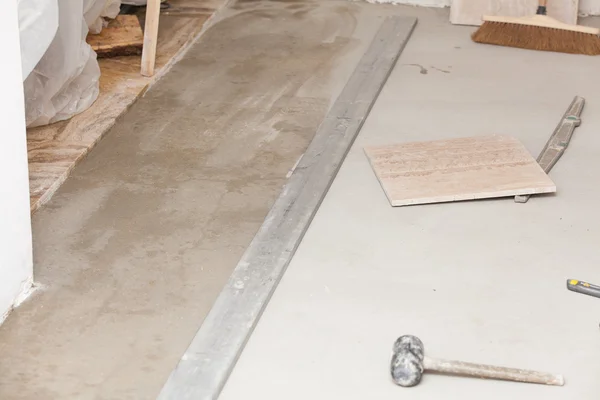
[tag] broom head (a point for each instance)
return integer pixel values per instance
(538, 33)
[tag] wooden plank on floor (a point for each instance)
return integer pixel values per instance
(469, 12)
(457, 169)
(210, 358)
(122, 37)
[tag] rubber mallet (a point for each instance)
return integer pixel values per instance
(409, 363)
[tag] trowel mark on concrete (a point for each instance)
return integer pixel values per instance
(439, 69)
(423, 70)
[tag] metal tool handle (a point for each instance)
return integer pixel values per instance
(491, 372)
(559, 140)
(583, 287)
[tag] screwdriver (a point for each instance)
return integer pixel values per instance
(583, 287)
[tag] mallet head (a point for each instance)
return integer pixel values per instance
(407, 361)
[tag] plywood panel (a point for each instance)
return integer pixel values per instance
(469, 12)
(457, 169)
(122, 37)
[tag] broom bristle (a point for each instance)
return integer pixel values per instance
(537, 38)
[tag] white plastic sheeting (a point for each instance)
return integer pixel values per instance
(38, 22)
(65, 80)
(97, 10)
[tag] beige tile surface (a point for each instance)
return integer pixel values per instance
(457, 169)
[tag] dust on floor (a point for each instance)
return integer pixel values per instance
(135, 246)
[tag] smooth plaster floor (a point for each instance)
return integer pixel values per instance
(480, 281)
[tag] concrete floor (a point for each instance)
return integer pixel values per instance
(481, 281)
(134, 248)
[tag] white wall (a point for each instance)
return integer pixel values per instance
(16, 265)
(586, 7)
(589, 7)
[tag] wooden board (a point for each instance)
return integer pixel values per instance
(457, 169)
(122, 37)
(469, 12)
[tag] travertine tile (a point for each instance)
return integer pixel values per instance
(457, 169)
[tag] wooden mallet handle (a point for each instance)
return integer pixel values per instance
(491, 372)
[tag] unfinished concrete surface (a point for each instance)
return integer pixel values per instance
(480, 281)
(136, 245)
(133, 249)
